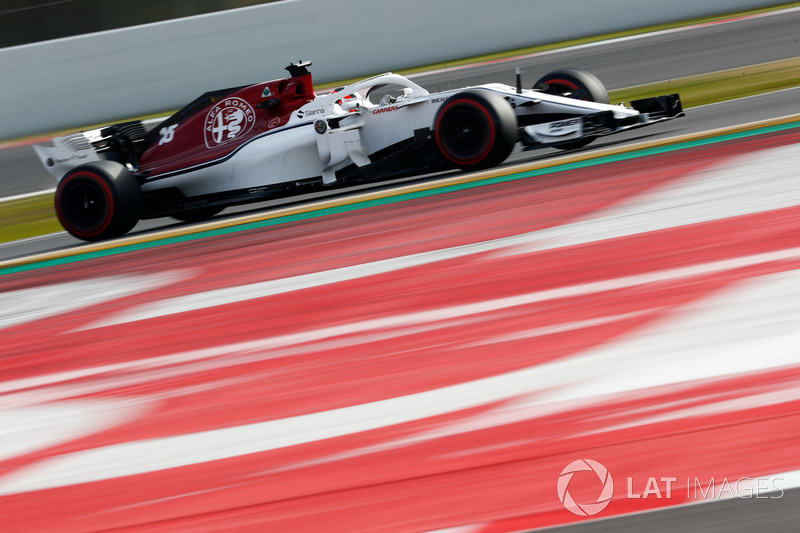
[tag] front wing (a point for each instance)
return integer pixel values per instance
(651, 110)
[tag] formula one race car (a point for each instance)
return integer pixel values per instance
(278, 138)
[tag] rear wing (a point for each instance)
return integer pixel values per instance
(112, 142)
(66, 153)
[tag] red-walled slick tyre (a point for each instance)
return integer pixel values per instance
(99, 200)
(475, 130)
(573, 83)
(577, 84)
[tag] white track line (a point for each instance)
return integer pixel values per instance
(664, 353)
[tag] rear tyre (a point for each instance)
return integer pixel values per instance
(197, 215)
(475, 130)
(577, 84)
(99, 200)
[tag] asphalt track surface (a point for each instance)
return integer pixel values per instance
(738, 515)
(772, 515)
(654, 58)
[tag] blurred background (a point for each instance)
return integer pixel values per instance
(23, 22)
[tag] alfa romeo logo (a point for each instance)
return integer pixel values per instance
(585, 508)
(228, 119)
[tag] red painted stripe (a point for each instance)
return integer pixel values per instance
(396, 478)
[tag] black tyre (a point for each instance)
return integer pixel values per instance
(573, 83)
(577, 84)
(197, 215)
(475, 130)
(99, 200)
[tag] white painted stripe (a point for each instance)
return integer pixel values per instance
(24, 430)
(409, 319)
(715, 338)
(559, 328)
(744, 99)
(252, 291)
(246, 292)
(741, 185)
(31, 239)
(752, 401)
(476, 528)
(72, 384)
(26, 305)
(722, 335)
(744, 488)
(27, 195)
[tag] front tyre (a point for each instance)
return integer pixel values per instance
(475, 130)
(99, 200)
(573, 83)
(577, 84)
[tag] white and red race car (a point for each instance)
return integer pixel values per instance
(279, 138)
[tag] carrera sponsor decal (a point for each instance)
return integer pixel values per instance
(227, 120)
(274, 123)
(384, 110)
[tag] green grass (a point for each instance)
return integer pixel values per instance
(29, 217)
(720, 86)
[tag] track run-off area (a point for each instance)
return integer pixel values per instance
(422, 358)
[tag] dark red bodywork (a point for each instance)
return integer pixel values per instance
(206, 129)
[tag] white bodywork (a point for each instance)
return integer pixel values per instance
(344, 127)
(297, 151)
